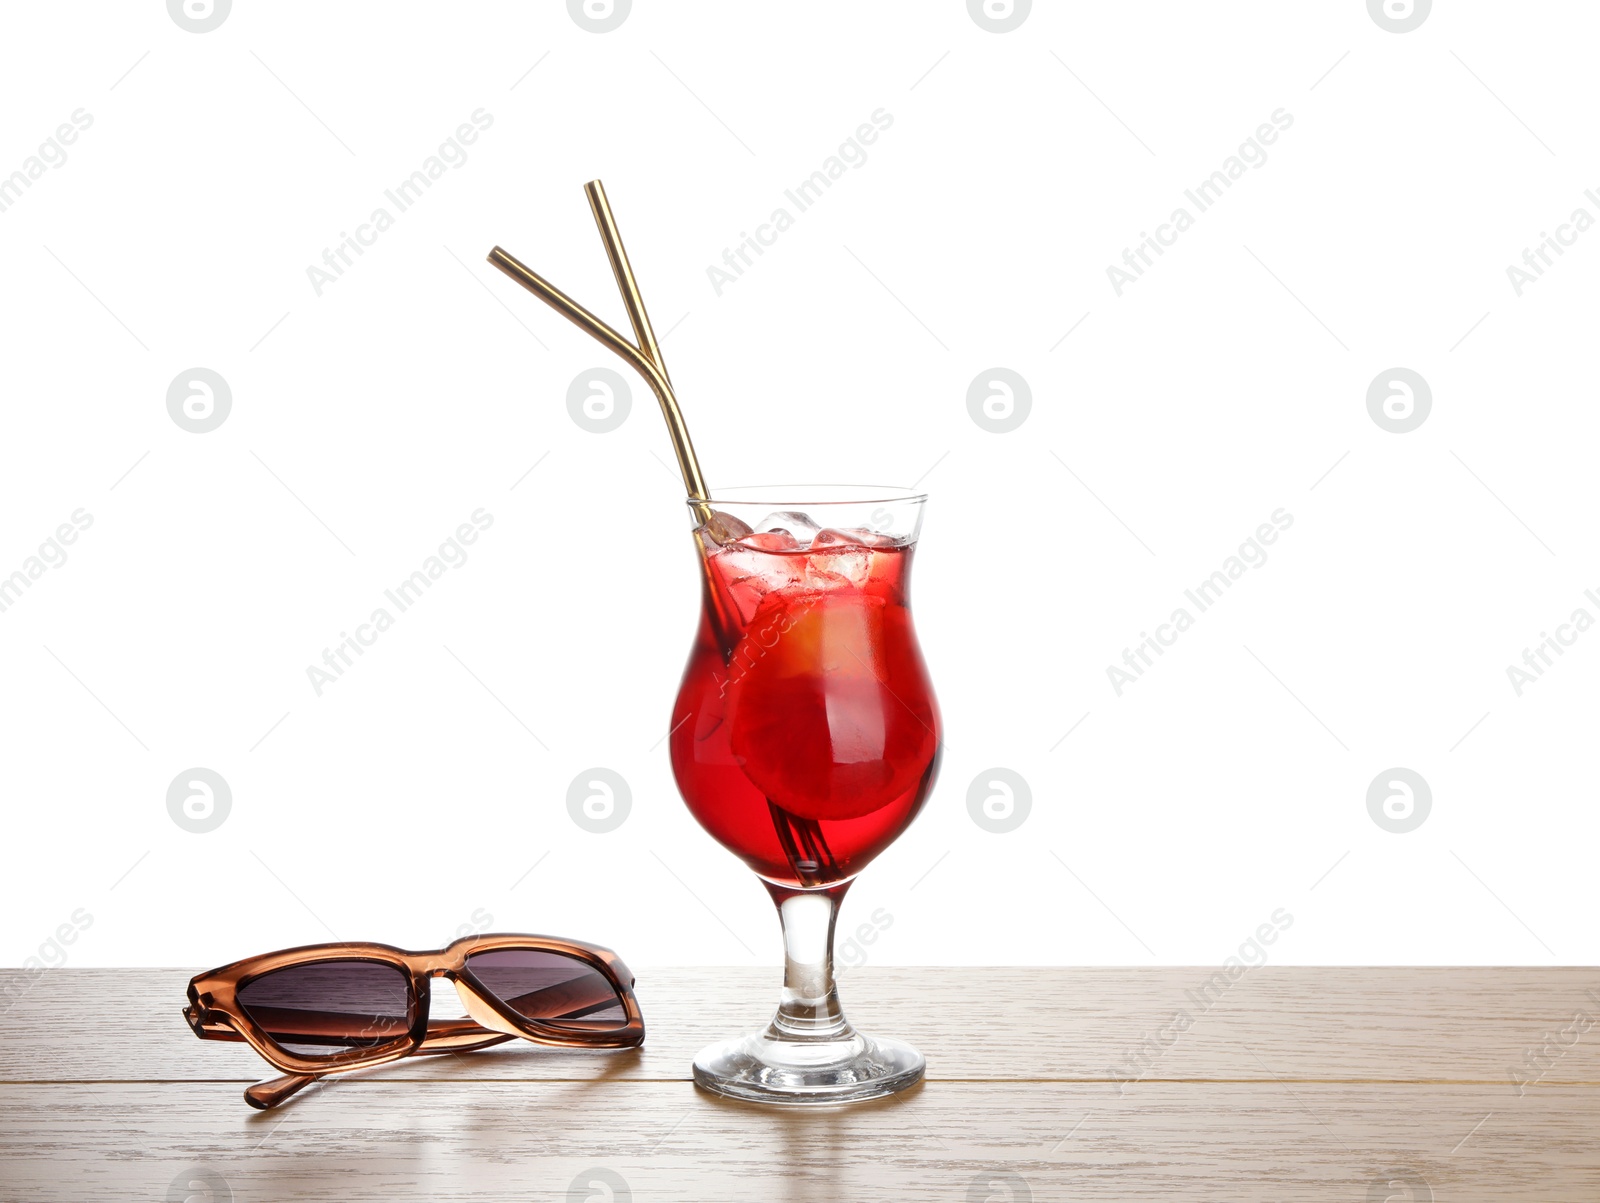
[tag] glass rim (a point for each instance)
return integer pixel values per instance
(810, 495)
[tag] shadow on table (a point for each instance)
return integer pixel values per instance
(608, 1064)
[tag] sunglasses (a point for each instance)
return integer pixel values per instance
(329, 1008)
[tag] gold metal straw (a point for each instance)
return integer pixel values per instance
(632, 301)
(644, 358)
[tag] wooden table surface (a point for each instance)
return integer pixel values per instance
(1286, 1084)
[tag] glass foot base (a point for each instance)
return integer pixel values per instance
(760, 1069)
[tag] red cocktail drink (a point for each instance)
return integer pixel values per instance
(805, 734)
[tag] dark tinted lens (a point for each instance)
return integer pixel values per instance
(327, 1007)
(550, 986)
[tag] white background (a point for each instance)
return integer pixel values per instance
(410, 800)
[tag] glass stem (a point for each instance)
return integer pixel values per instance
(809, 1009)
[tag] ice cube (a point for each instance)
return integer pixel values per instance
(833, 538)
(839, 558)
(821, 577)
(749, 571)
(722, 528)
(775, 540)
(858, 536)
(795, 523)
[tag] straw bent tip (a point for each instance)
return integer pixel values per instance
(643, 354)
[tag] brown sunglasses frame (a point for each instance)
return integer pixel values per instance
(214, 1012)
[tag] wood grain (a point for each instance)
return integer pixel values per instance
(1291, 1084)
(385, 1140)
(1323, 1024)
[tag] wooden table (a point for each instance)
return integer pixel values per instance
(1285, 1084)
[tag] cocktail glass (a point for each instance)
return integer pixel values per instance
(805, 738)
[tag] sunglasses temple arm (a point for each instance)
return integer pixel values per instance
(273, 1091)
(457, 1037)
